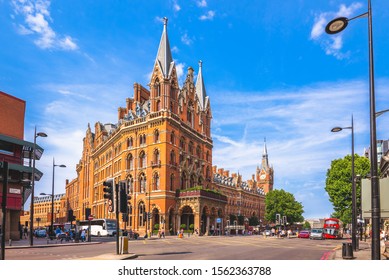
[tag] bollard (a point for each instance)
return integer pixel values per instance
(10, 242)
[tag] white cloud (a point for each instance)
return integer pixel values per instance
(176, 7)
(208, 16)
(332, 44)
(297, 125)
(37, 21)
(185, 39)
(202, 3)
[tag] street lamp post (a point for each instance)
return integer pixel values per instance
(335, 26)
(353, 188)
(52, 198)
(36, 135)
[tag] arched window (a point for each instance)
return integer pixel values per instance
(156, 136)
(157, 88)
(142, 183)
(156, 157)
(130, 162)
(207, 175)
(158, 105)
(198, 152)
(142, 159)
(142, 139)
(130, 142)
(141, 211)
(156, 181)
(207, 156)
(172, 138)
(130, 184)
(183, 181)
(182, 144)
(172, 158)
(190, 148)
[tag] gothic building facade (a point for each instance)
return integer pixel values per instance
(161, 146)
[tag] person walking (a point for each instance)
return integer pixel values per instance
(83, 235)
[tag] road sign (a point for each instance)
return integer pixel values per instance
(90, 218)
(218, 220)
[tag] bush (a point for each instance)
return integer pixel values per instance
(183, 226)
(156, 227)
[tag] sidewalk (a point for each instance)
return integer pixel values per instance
(44, 243)
(364, 252)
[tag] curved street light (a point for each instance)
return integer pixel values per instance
(335, 26)
(36, 135)
(353, 188)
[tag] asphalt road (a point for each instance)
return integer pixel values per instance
(192, 248)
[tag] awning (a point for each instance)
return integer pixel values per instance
(27, 146)
(25, 169)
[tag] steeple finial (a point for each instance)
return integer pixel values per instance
(164, 55)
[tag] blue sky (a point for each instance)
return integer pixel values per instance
(270, 71)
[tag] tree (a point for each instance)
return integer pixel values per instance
(253, 221)
(283, 203)
(339, 185)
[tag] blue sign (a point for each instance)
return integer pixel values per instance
(218, 220)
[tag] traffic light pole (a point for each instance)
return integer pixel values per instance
(116, 189)
(4, 165)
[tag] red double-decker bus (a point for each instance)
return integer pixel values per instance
(332, 228)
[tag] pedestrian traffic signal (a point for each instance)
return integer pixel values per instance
(109, 194)
(125, 217)
(123, 197)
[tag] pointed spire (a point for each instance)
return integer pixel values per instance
(164, 55)
(265, 162)
(200, 87)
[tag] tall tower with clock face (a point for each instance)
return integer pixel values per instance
(265, 173)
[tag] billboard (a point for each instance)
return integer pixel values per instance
(366, 198)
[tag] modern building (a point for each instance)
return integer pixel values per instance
(19, 155)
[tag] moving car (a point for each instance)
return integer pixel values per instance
(303, 234)
(316, 233)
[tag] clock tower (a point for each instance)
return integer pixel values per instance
(265, 173)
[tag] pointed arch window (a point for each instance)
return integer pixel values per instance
(142, 159)
(157, 88)
(192, 181)
(156, 136)
(156, 157)
(142, 183)
(183, 181)
(130, 184)
(172, 138)
(141, 211)
(182, 144)
(155, 181)
(172, 158)
(158, 105)
(130, 142)
(142, 139)
(130, 162)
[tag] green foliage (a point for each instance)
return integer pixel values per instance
(283, 203)
(339, 184)
(191, 227)
(307, 225)
(253, 221)
(183, 226)
(156, 226)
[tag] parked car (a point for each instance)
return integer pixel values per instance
(303, 234)
(316, 233)
(40, 233)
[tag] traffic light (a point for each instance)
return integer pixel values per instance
(70, 216)
(109, 194)
(125, 217)
(88, 212)
(123, 197)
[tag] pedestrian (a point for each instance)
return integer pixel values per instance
(25, 232)
(83, 235)
(163, 233)
(382, 241)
